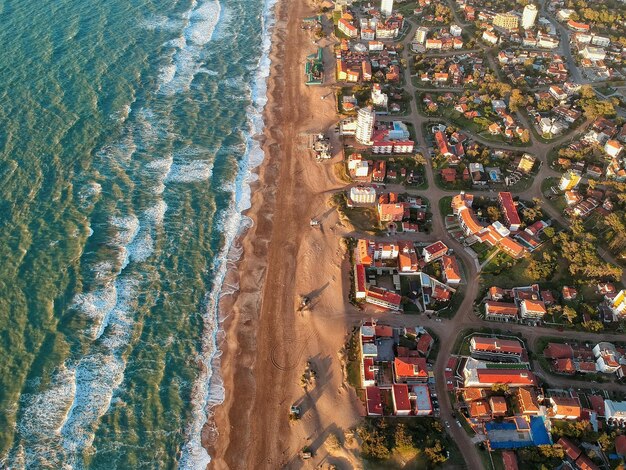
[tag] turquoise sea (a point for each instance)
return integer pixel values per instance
(125, 146)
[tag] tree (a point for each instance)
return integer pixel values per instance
(587, 91)
(435, 454)
(493, 212)
(549, 232)
(516, 100)
(402, 438)
(374, 446)
(569, 313)
(525, 137)
(500, 388)
(419, 159)
(593, 325)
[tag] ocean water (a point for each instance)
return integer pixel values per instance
(126, 141)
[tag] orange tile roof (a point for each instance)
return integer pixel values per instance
(471, 222)
(410, 367)
(527, 399)
(450, 268)
(498, 405)
(566, 406)
(472, 394)
(479, 408)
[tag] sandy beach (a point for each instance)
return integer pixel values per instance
(267, 342)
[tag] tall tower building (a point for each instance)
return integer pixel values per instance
(386, 6)
(529, 16)
(365, 125)
(420, 34)
(568, 181)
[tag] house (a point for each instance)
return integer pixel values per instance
(579, 27)
(407, 258)
(558, 351)
(509, 211)
(572, 452)
(557, 93)
(383, 298)
(434, 251)
(620, 445)
(565, 408)
(410, 370)
(607, 357)
(373, 401)
(479, 410)
(496, 349)
(391, 212)
(423, 405)
(615, 411)
(569, 293)
(498, 406)
(532, 309)
(425, 344)
(451, 271)
(564, 366)
(379, 171)
(500, 311)
(400, 399)
(368, 372)
(527, 401)
(360, 287)
(613, 148)
(448, 175)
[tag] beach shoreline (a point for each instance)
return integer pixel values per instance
(265, 342)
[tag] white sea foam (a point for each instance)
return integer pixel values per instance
(201, 21)
(43, 415)
(189, 172)
(209, 389)
(97, 305)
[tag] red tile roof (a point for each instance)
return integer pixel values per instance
(508, 208)
(505, 376)
(410, 367)
(558, 351)
(401, 397)
(571, 450)
(498, 405)
(368, 364)
(436, 248)
(374, 401)
(497, 345)
(424, 344)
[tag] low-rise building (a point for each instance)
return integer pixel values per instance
(532, 309)
(400, 399)
(565, 408)
(383, 298)
(374, 401)
(451, 271)
(501, 311)
(410, 370)
(496, 349)
(434, 251)
(615, 411)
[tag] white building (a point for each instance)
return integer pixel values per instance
(421, 396)
(365, 125)
(600, 41)
(615, 411)
(529, 16)
(490, 37)
(386, 7)
(456, 30)
(532, 309)
(379, 99)
(421, 34)
(607, 357)
(363, 195)
(593, 53)
(613, 148)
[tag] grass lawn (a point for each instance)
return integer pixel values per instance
(444, 205)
